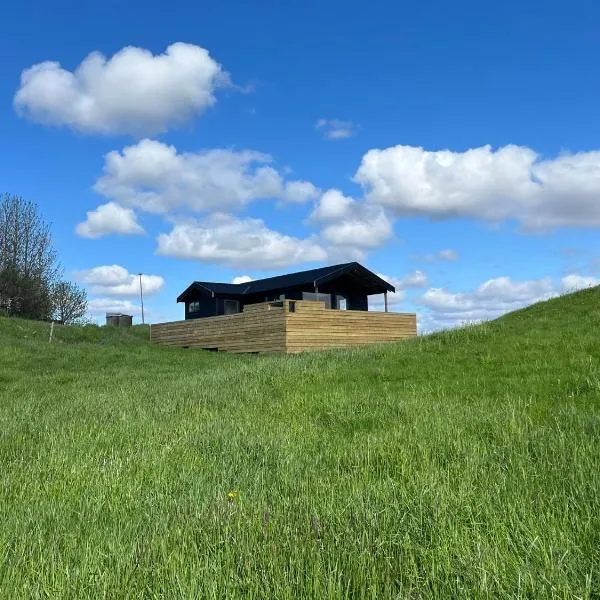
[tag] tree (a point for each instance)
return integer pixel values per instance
(69, 302)
(28, 267)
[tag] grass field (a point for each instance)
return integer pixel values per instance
(464, 464)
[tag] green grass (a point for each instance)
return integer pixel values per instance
(464, 464)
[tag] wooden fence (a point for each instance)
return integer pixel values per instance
(287, 326)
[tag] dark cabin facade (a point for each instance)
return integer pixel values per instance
(345, 286)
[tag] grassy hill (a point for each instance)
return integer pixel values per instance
(464, 464)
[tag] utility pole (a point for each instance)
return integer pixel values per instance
(142, 297)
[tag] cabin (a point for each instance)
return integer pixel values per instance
(307, 310)
(346, 286)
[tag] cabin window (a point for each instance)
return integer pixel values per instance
(317, 298)
(231, 307)
(194, 306)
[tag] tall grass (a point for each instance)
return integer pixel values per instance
(460, 465)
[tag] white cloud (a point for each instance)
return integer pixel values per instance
(115, 280)
(448, 254)
(154, 177)
(335, 129)
(298, 192)
(574, 281)
(366, 229)
(132, 92)
(98, 306)
(242, 279)
(109, 218)
(492, 299)
(416, 279)
(350, 226)
(225, 239)
(488, 301)
(332, 206)
(512, 182)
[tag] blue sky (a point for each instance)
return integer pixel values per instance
(452, 147)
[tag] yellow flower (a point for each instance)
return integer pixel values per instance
(232, 495)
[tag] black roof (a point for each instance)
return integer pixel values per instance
(313, 277)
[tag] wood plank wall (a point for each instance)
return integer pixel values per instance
(260, 328)
(267, 328)
(313, 327)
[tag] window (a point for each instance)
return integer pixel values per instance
(194, 306)
(342, 303)
(231, 307)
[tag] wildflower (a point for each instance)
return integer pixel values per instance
(232, 495)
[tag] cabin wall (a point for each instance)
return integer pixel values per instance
(294, 294)
(214, 306)
(357, 302)
(221, 304)
(208, 307)
(273, 295)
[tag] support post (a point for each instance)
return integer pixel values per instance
(142, 297)
(385, 300)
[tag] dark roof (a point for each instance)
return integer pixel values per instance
(311, 277)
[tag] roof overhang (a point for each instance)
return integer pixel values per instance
(369, 281)
(195, 287)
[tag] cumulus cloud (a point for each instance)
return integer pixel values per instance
(490, 298)
(115, 280)
(332, 206)
(241, 279)
(335, 129)
(416, 279)
(493, 298)
(298, 192)
(575, 281)
(109, 218)
(154, 177)
(242, 243)
(98, 306)
(133, 92)
(350, 226)
(512, 182)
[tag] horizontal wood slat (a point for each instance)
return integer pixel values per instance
(293, 326)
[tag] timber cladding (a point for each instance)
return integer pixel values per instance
(287, 326)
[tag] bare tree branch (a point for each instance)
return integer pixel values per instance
(70, 302)
(28, 265)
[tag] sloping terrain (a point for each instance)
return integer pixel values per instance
(461, 464)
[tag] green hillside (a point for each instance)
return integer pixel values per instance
(464, 464)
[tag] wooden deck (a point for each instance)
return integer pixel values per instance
(287, 326)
